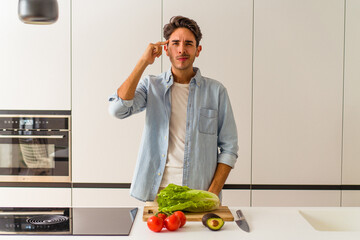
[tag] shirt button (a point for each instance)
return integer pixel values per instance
(165, 137)
(163, 155)
(159, 174)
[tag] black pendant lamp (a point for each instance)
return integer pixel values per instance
(38, 11)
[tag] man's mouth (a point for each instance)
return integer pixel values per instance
(182, 58)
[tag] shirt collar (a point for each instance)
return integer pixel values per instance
(197, 79)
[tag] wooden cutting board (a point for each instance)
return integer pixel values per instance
(222, 211)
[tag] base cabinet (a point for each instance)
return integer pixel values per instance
(296, 198)
(35, 197)
(236, 198)
(103, 197)
(96, 197)
(100, 197)
(350, 198)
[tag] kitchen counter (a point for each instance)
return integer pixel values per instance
(265, 223)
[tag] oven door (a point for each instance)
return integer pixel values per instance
(35, 156)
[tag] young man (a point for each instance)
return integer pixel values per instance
(190, 136)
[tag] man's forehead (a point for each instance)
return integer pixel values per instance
(182, 34)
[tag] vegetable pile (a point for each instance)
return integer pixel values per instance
(174, 198)
(161, 220)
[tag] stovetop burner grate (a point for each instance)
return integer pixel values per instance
(47, 219)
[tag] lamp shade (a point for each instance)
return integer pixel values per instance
(38, 11)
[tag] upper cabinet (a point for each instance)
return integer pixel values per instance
(109, 37)
(226, 56)
(351, 152)
(298, 91)
(34, 61)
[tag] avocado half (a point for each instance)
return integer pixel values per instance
(212, 221)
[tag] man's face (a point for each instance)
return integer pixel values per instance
(182, 49)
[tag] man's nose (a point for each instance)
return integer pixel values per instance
(181, 48)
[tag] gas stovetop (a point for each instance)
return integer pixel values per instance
(67, 221)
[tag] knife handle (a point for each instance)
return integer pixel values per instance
(240, 214)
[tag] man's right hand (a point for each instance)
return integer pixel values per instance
(127, 90)
(153, 50)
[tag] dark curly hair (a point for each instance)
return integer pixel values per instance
(182, 22)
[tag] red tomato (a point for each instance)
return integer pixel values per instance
(172, 222)
(155, 223)
(161, 215)
(182, 217)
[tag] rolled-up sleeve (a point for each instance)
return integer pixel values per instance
(227, 132)
(124, 108)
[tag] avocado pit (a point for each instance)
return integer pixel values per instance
(214, 223)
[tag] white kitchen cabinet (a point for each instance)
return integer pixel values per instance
(236, 197)
(110, 197)
(350, 198)
(103, 197)
(35, 197)
(351, 149)
(227, 57)
(108, 39)
(34, 61)
(298, 91)
(295, 198)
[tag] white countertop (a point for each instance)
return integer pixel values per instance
(265, 223)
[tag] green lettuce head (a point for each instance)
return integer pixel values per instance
(174, 198)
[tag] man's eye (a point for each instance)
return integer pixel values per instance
(175, 43)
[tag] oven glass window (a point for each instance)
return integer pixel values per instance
(24, 156)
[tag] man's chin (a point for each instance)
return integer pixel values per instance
(182, 67)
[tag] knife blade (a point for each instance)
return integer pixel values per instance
(242, 223)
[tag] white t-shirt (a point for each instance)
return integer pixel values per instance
(175, 159)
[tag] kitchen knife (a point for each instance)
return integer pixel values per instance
(242, 223)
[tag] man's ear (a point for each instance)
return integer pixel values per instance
(198, 50)
(166, 48)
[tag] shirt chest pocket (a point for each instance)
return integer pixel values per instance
(208, 121)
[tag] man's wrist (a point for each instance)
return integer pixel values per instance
(142, 63)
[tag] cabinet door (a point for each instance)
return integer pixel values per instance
(236, 198)
(351, 151)
(350, 198)
(108, 39)
(298, 79)
(295, 198)
(34, 61)
(227, 57)
(35, 197)
(101, 197)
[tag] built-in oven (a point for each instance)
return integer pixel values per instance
(35, 146)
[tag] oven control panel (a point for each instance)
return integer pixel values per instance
(33, 122)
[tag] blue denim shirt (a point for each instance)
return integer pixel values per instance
(211, 135)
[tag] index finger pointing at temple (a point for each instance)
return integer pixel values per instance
(163, 43)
